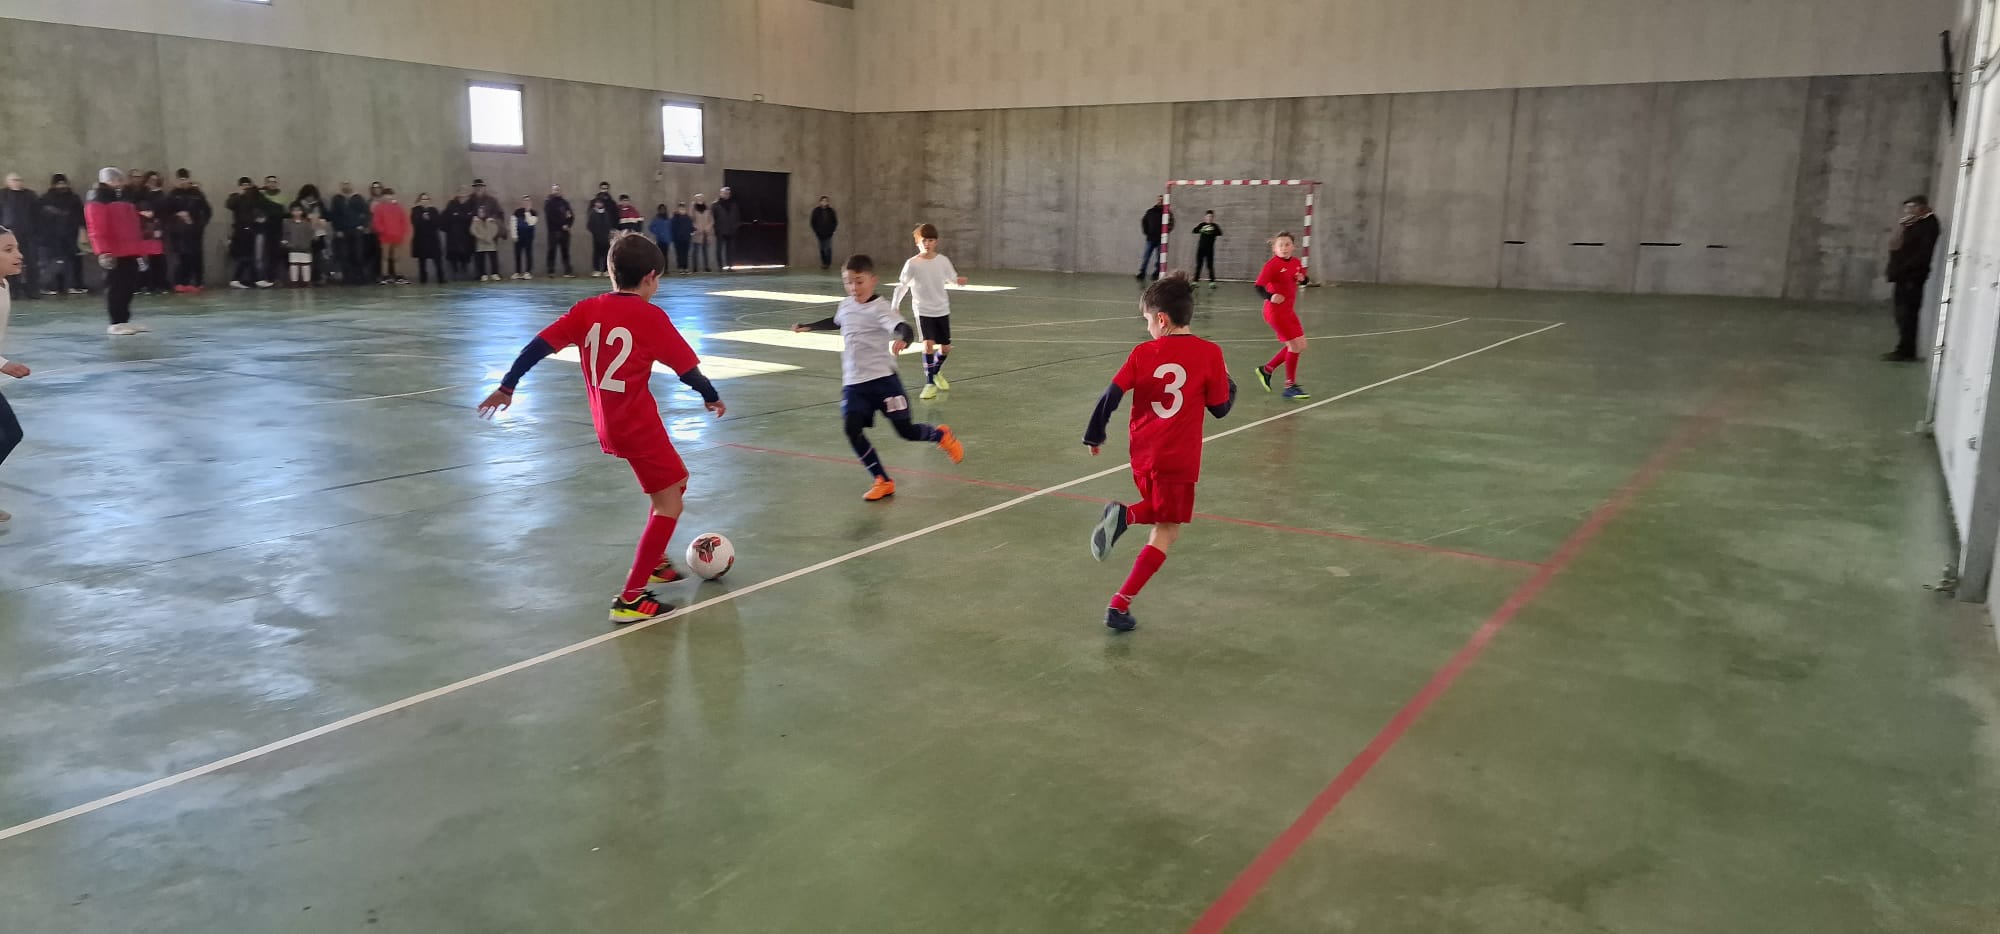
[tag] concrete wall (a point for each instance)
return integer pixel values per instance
(78, 98)
(795, 52)
(971, 54)
(1758, 187)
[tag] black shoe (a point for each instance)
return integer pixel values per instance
(1898, 357)
(638, 610)
(1140, 277)
(1264, 376)
(1109, 529)
(1120, 620)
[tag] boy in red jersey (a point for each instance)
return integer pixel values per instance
(1279, 285)
(621, 334)
(1172, 377)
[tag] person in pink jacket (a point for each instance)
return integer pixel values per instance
(392, 228)
(113, 224)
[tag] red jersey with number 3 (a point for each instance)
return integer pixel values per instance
(1172, 380)
(618, 337)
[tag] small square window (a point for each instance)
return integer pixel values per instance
(680, 131)
(496, 117)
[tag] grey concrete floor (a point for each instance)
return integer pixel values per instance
(1614, 627)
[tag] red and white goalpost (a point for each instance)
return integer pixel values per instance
(1306, 227)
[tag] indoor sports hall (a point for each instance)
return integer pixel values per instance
(1586, 565)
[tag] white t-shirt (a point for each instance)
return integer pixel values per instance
(925, 279)
(866, 331)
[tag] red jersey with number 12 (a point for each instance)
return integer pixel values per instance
(619, 336)
(1172, 380)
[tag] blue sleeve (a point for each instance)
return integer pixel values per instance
(1223, 409)
(1100, 418)
(530, 355)
(699, 383)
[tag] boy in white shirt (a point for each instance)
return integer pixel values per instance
(924, 277)
(872, 333)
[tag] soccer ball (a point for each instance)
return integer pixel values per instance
(710, 556)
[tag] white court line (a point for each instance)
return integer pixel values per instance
(393, 395)
(1134, 316)
(406, 703)
(1227, 340)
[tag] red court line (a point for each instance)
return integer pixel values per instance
(1253, 878)
(1018, 488)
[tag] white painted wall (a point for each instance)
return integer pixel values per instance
(793, 52)
(979, 54)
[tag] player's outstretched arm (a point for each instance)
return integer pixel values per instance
(823, 324)
(501, 398)
(710, 399)
(1100, 418)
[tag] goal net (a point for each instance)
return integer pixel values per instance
(1249, 211)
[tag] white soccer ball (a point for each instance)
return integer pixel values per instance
(710, 556)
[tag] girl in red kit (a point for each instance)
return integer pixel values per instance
(1279, 285)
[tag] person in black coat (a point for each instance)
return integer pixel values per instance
(248, 210)
(62, 225)
(824, 223)
(600, 220)
(1910, 252)
(682, 227)
(188, 214)
(427, 238)
(560, 218)
(728, 220)
(21, 212)
(1151, 225)
(457, 218)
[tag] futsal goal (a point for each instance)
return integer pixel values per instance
(1249, 211)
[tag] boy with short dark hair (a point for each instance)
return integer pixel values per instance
(1172, 377)
(1204, 252)
(872, 333)
(925, 278)
(621, 334)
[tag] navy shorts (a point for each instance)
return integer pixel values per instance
(937, 330)
(860, 402)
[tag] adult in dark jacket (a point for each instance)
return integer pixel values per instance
(1151, 225)
(188, 214)
(150, 197)
(21, 212)
(349, 214)
(682, 229)
(600, 220)
(246, 229)
(1910, 251)
(728, 220)
(427, 238)
(457, 217)
(115, 238)
(276, 210)
(62, 226)
(824, 223)
(559, 218)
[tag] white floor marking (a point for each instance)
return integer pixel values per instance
(1229, 340)
(713, 366)
(413, 700)
(393, 395)
(955, 287)
(775, 337)
(1133, 317)
(802, 298)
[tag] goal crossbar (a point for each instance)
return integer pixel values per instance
(1306, 230)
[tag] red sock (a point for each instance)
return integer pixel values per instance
(652, 547)
(1283, 355)
(1291, 367)
(1139, 514)
(1149, 560)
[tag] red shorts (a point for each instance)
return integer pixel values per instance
(1284, 321)
(658, 470)
(1167, 500)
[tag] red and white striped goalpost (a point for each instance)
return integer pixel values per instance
(1305, 235)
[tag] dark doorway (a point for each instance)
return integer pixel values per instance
(766, 199)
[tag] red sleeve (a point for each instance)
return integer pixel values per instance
(566, 331)
(1128, 376)
(1218, 377)
(670, 348)
(1264, 277)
